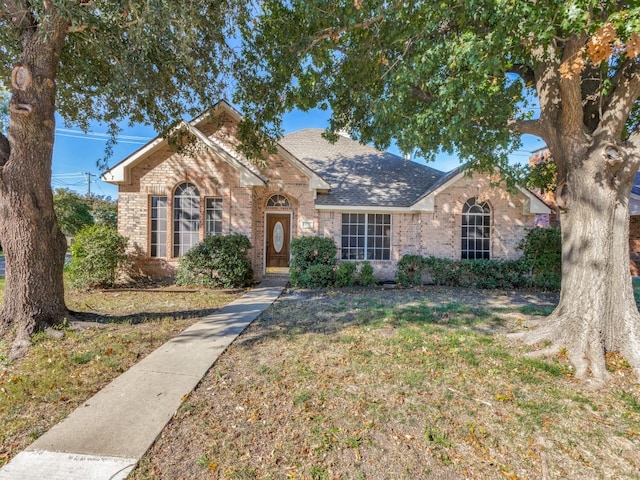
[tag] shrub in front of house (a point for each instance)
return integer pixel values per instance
(410, 270)
(219, 261)
(345, 275)
(366, 277)
(481, 273)
(98, 254)
(542, 250)
(317, 252)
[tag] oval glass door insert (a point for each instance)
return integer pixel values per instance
(278, 237)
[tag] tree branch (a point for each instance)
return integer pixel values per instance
(531, 127)
(570, 88)
(20, 14)
(334, 32)
(621, 100)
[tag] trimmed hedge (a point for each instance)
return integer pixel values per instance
(488, 274)
(219, 261)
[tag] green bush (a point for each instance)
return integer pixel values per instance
(366, 277)
(542, 250)
(344, 275)
(410, 270)
(308, 252)
(463, 273)
(317, 276)
(479, 273)
(97, 255)
(218, 261)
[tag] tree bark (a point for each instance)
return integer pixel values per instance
(33, 244)
(597, 312)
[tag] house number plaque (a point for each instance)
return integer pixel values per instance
(278, 237)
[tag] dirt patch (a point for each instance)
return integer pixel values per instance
(397, 384)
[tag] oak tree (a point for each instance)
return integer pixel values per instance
(471, 77)
(104, 60)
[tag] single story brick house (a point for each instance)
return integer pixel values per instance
(375, 205)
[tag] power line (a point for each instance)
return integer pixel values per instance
(101, 136)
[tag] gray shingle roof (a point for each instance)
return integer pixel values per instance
(360, 174)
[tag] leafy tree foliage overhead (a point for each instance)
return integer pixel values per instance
(471, 77)
(430, 75)
(150, 62)
(105, 60)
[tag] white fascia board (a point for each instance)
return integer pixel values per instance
(247, 177)
(316, 182)
(121, 173)
(427, 203)
(363, 209)
(533, 205)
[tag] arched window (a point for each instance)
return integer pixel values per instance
(278, 201)
(186, 218)
(476, 229)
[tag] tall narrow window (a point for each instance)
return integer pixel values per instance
(186, 218)
(213, 216)
(158, 240)
(366, 236)
(476, 229)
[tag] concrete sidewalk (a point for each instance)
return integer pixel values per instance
(106, 437)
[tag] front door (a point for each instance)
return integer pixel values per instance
(278, 235)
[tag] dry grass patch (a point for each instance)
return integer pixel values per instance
(114, 331)
(397, 384)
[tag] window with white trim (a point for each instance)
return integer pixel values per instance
(213, 216)
(476, 230)
(158, 238)
(186, 218)
(366, 236)
(278, 201)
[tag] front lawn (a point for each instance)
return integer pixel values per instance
(118, 329)
(398, 384)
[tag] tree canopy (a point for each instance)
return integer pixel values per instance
(103, 60)
(438, 75)
(470, 78)
(149, 62)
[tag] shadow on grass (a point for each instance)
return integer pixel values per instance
(140, 317)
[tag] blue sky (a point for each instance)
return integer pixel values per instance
(76, 154)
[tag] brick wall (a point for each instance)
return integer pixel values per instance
(243, 208)
(439, 233)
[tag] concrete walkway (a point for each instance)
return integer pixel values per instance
(107, 435)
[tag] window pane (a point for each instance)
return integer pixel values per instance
(186, 218)
(476, 230)
(158, 227)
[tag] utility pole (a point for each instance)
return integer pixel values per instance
(89, 175)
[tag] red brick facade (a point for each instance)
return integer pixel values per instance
(430, 229)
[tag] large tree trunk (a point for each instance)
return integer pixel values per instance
(597, 312)
(33, 244)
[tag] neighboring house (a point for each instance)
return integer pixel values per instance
(375, 205)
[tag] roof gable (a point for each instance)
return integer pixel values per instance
(250, 175)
